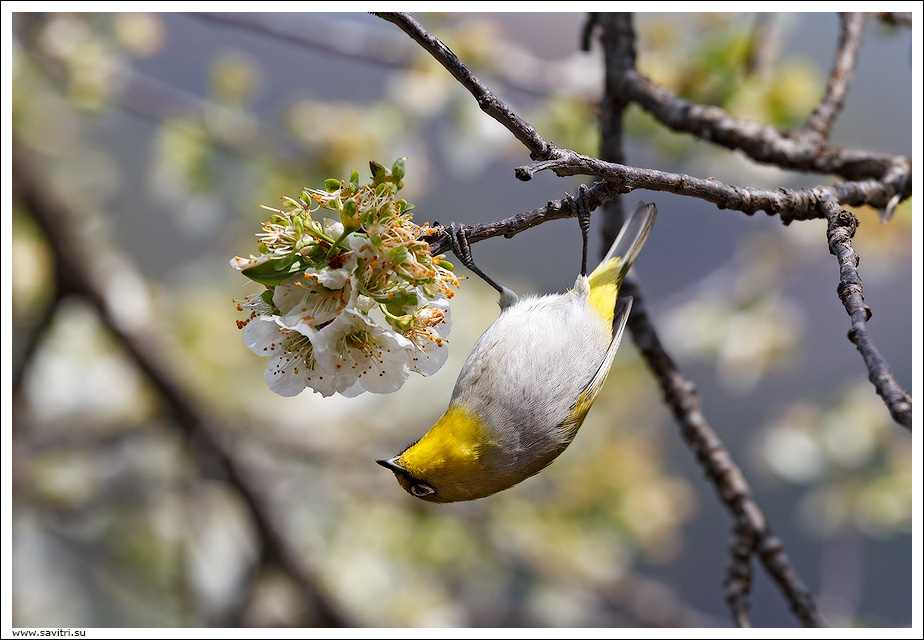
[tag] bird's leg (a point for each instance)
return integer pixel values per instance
(583, 215)
(459, 244)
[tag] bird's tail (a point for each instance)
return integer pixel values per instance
(606, 279)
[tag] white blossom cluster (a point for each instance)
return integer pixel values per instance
(352, 305)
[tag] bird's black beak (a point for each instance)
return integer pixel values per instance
(391, 465)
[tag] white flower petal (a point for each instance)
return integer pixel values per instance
(333, 278)
(246, 263)
(426, 362)
(285, 374)
(360, 244)
(264, 336)
(332, 228)
(311, 303)
(387, 372)
(353, 346)
(287, 295)
(431, 328)
(327, 384)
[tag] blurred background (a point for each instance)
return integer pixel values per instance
(162, 134)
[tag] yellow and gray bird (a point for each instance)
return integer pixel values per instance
(528, 383)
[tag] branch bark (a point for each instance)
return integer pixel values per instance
(852, 26)
(878, 180)
(752, 534)
(762, 143)
(726, 477)
(523, 131)
(842, 225)
(789, 204)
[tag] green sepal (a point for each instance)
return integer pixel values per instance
(399, 254)
(402, 323)
(349, 207)
(397, 170)
(379, 172)
(397, 301)
(331, 185)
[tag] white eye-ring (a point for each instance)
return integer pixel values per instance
(420, 489)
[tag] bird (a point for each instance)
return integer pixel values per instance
(530, 379)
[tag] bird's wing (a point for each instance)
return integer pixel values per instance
(587, 396)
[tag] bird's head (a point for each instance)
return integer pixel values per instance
(452, 462)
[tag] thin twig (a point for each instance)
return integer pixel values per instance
(739, 576)
(852, 26)
(841, 227)
(759, 43)
(492, 105)
(597, 195)
(761, 143)
(897, 18)
(351, 40)
(77, 274)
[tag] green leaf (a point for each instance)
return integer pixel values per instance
(272, 272)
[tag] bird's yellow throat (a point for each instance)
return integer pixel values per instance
(453, 444)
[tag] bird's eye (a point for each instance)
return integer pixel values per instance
(420, 489)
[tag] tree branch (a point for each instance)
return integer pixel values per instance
(597, 195)
(739, 576)
(789, 204)
(492, 105)
(852, 26)
(841, 228)
(752, 534)
(761, 143)
(731, 487)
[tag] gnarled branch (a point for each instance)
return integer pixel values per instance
(727, 479)
(841, 227)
